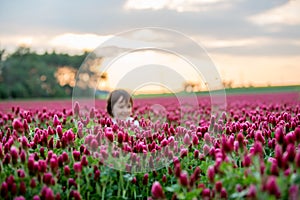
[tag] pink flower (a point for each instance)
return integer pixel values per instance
(157, 191)
(195, 139)
(206, 193)
(206, 149)
(109, 134)
(47, 178)
(4, 189)
(298, 159)
(66, 157)
(164, 178)
(84, 161)
(76, 155)
(259, 137)
(279, 135)
(76, 109)
(56, 121)
(272, 187)
(22, 188)
(183, 152)
(252, 191)
(211, 173)
(186, 139)
(18, 125)
(24, 142)
(14, 154)
(42, 166)
(92, 113)
(67, 170)
(258, 149)
(36, 197)
(145, 179)
(164, 142)
(291, 152)
(94, 145)
(77, 167)
(53, 164)
(297, 134)
(218, 186)
(120, 136)
(207, 138)
(21, 173)
(223, 193)
(294, 192)
(97, 175)
(183, 178)
(32, 183)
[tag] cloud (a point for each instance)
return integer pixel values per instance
(287, 14)
(178, 5)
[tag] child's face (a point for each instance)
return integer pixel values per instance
(121, 109)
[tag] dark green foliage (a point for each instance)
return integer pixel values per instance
(26, 74)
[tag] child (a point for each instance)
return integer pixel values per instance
(119, 106)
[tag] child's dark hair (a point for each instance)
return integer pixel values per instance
(114, 97)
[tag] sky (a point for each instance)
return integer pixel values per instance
(251, 42)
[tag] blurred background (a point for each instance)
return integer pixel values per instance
(43, 43)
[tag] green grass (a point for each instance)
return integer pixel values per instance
(242, 90)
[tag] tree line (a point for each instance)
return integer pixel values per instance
(27, 74)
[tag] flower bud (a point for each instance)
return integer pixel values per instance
(157, 191)
(76, 155)
(145, 179)
(218, 186)
(211, 173)
(183, 178)
(67, 170)
(186, 139)
(77, 167)
(252, 191)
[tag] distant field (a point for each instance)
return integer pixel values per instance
(67, 103)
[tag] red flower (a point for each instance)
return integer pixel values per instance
(157, 191)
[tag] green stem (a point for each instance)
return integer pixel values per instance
(103, 192)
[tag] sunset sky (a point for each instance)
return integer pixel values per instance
(250, 41)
